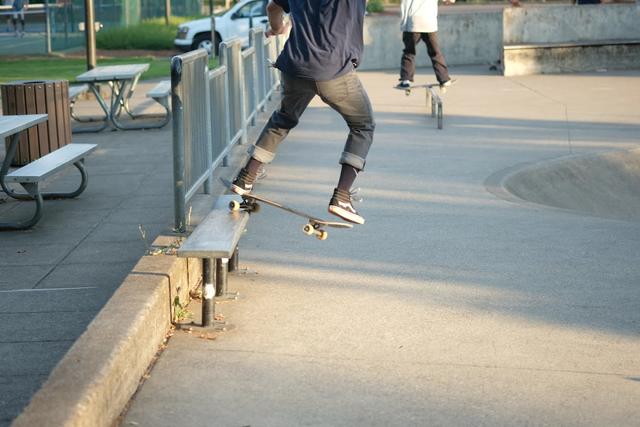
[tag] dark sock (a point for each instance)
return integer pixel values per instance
(253, 166)
(347, 177)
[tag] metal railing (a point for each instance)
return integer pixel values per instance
(192, 153)
(213, 110)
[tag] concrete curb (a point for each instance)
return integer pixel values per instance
(93, 383)
(102, 370)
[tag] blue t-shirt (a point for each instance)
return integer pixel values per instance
(325, 40)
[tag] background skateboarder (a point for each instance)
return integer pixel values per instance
(18, 8)
(419, 21)
(319, 58)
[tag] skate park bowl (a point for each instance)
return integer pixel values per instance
(602, 184)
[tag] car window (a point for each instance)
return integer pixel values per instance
(251, 9)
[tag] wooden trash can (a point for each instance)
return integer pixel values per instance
(38, 97)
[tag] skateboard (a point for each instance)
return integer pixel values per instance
(313, 227)
(407, 90)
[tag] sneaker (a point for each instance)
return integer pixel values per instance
(404, 84)
(341, 206)
(243, 184)
(447, 84)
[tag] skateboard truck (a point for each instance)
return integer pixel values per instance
(247, 205)
(312, 228)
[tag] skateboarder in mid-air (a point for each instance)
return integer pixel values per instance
(419, 21)
(319, 58)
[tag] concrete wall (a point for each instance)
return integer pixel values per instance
(478, 36)
(520, 62)
(569, 23)
(465, 39)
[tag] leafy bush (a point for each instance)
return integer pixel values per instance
(375, 6)
(151, 34)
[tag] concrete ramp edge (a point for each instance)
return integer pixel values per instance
(601, 184)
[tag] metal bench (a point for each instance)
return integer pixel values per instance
(215, 242)
(161, 93)
(74, 93)
(30, 176)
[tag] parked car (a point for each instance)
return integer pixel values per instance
(235, 22)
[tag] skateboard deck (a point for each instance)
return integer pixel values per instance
(407, 90)
(313, 227)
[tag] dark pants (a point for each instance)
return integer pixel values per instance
(345, 94)
(408, 64)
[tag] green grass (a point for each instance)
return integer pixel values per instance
(43, 68)
(150, 34)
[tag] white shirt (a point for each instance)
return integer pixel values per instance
(419, 16)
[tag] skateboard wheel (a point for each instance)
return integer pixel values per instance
(322, 235)
(308, 229)
(255, 207)
(234, 205)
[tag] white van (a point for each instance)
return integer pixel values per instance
(235, 22)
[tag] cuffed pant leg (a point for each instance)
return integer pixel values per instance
(437, 58)
(297, 94)
(347, 96)
(407, 63)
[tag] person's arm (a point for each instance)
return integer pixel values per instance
(275, 12)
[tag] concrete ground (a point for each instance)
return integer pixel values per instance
(456, 303)
(55, 277)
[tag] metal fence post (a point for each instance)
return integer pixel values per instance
(47, 27)
(239, 75)
(260, 68)
(224, 60)
(208, 184)
(178, 145)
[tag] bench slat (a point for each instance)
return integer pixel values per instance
(76, 91)
(40, 169)
(162, 89)
(216, 236)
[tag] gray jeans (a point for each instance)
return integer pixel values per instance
(345, 94)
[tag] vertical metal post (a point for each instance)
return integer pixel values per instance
(90, 33)
(47, 27)
(208, 292)
(428, 96)
(208, 184)
(239, 76)
(66, 7)
(214, 47)
(254, 81)
(261, 69)
(224, 60)
(167, 11)
(178, 145)
(233, 261)
(222, 267)
(433, 106)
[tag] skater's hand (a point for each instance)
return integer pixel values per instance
(283, 29)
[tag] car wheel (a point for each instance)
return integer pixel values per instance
(203, 41)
